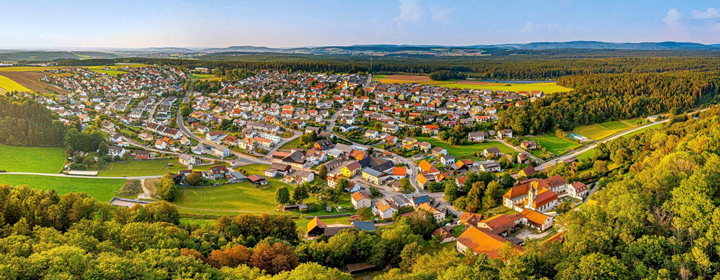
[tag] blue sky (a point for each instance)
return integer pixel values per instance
(152, 23)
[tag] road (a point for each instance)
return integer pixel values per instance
(283, 141)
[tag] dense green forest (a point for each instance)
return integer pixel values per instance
(657, 217)
(522, 64)
(24, 122)
(602, 97)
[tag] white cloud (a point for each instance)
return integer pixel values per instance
(410, 10)
(440, 14)
(711, 13)
(672, 20)
(532, 27)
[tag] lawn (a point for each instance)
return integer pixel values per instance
(204, 76)
(586, 154)
(9, 85)
(140, 168)
(32, 159)
(466, 150)
(554, 144)
(100, 189)
(292, 144)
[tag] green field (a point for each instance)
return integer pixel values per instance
(654, 126)
(554, 144)
(587, 154)
(516, 87)
(100, 189)
(32, 159)
(602, 130)
(8, 85)
(466, 150)
(204, 76)
(140, 168)
(292, 144)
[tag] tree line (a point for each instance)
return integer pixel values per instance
(603, 97)
(24, 122)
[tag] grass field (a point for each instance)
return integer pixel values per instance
(32, 159)
(101, 70)
(100, 189)
(8, 85)
(601, 130)
(587, 154)
(466, 150)
(549, 87)
(292, 144)
(654, 126)
(554, 144)
(140, 168)
(204, 76)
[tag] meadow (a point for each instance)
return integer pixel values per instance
(32, 159)
(553, 144)
(100, 189)
(8, 85)
(463, 151)
(292, 144)
(599, 131)
(204, 77)
(140, 168)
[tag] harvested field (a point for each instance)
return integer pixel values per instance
(31, 80)
(409, 78)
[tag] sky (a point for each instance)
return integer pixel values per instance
(286, 23)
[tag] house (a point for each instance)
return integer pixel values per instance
(385, 209)
(419, 200)
(505, 133)
(499, 224)
(277, 169)
(116, 151)
(218, 172)
(491, 152)
(187, 160)
(516, 196)
(427, 168)
(556, 183)
(477, 136)
(257, 180)
(304, 176)
(438, 152)
(371, 134)
(160, 144)
(141, 154)
(371, 175)
(398, 172)
(490, 166)
(221, 151)
(422, 181)
(213, 135)
(443, 235)
(541, 199)
(469, 219)
(324, 145)
(447, 159)
(389, 128)
(484, 241)
(577, 190)
(360, 200)
(528, 145)
(351, 169)
(536, 219)
(367, 226)
(432, 129)
(439, 215)
(526, 172)
(116, 137)
(523, 158)
(316, 227)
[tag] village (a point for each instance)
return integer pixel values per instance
(369, 139)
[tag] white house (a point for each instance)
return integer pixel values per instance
(221, 151)
(116, 151)
(385, 209)
(361, 199)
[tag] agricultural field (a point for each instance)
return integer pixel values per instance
(466, 150)
(32, 159)
(586, 155)
(100, 189)
(549, 87)
(554, 144)
(8, 85)
(102, 70)
(599, 131)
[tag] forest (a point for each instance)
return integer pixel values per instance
(598, 98)
(24, 122)
(657, 216)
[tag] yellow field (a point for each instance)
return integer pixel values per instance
(9, 85)
(29, 68)
(425, 80)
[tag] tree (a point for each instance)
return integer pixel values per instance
(364, 214)
(300, 193)
(282, 195)
(493, 195)
(342, 184)
(474, 197)
(322, 172)
(405, 185)
(231, 257)
(451, 192)
(193, 179)
(168, 189)
(274, 258)
(600, 167)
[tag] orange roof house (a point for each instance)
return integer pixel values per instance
(484, 241)
(316, 227)
(499, 224)
(470, 219)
